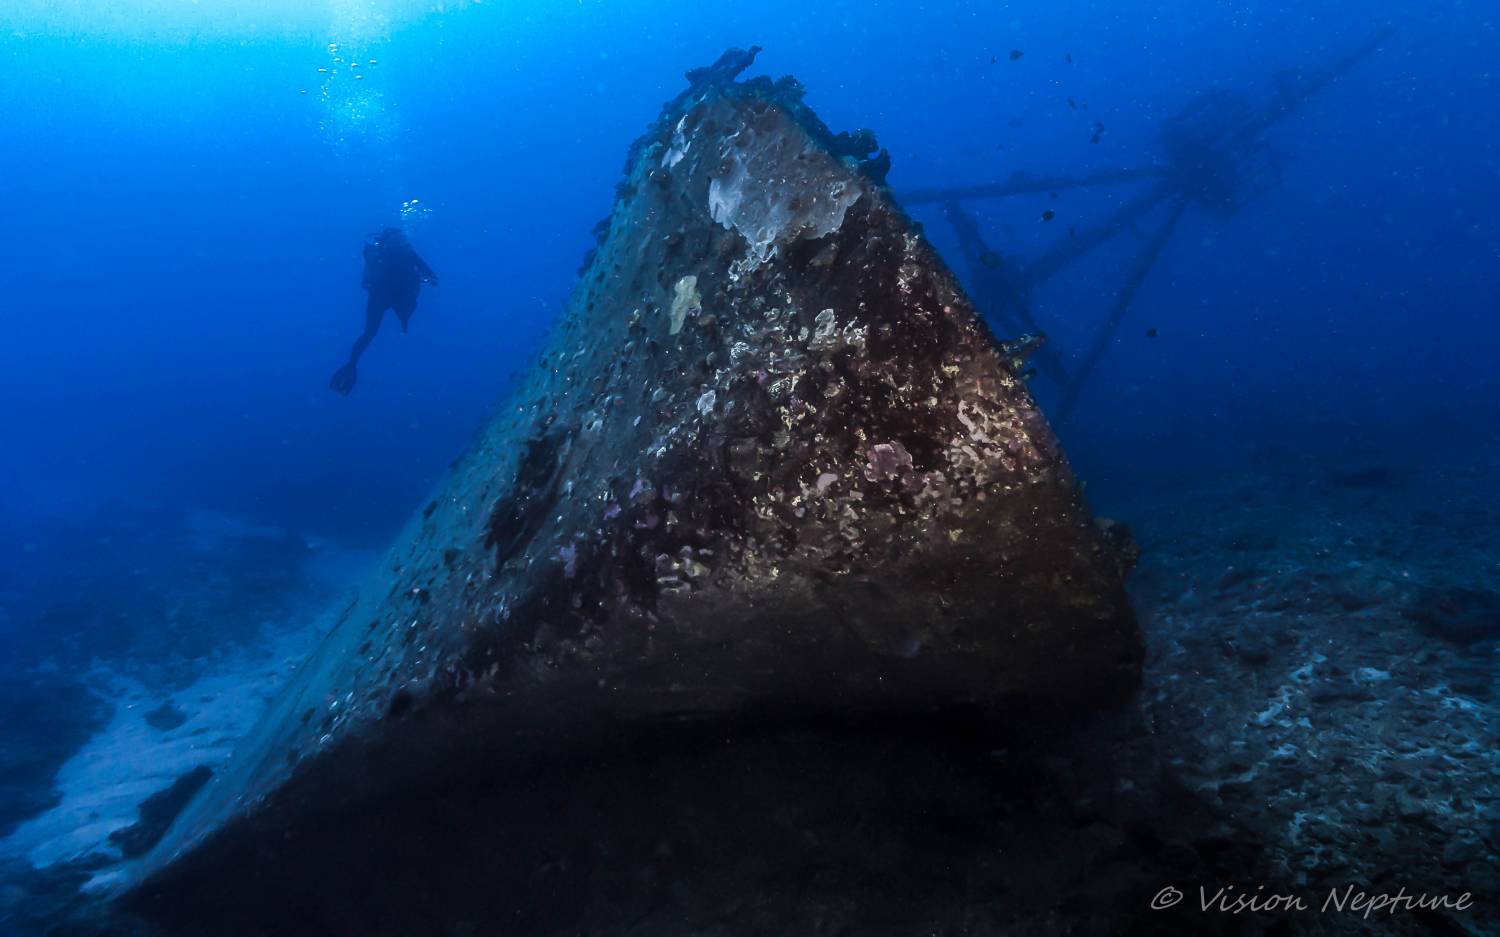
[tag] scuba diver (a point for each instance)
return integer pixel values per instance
(394, 274)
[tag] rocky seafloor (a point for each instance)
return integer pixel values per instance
(1318, 718)
(1322, 671)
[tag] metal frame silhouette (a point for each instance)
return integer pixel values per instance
(1216, 159)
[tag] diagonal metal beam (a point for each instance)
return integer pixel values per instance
(1047, 265)
(996, 293)
(1138, 273)
(1289, 98)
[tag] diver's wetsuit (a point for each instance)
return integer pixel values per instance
(394, 275)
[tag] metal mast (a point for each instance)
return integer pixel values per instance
(1215, 158)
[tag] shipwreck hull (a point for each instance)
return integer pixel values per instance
(772, 469)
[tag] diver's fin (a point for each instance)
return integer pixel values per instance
(343, 379)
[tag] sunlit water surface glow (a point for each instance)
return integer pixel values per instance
(188, 20)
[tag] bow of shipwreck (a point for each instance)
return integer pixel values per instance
(771, 468)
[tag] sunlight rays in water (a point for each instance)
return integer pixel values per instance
(356, 111)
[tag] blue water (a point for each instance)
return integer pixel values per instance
(187, 186)
(185, 211)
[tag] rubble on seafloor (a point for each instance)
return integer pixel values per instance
(1302, 684)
